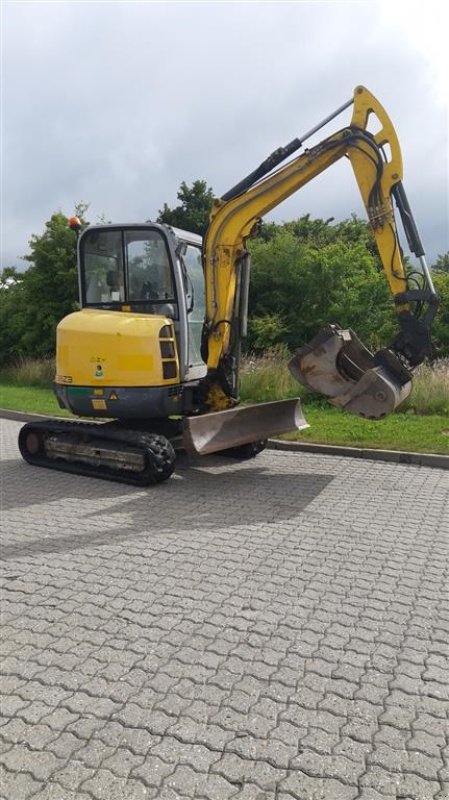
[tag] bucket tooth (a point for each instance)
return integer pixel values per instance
(336, 364)
(221, 430)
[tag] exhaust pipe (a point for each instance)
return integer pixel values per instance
(336, 364)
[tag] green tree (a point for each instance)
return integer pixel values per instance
(308, 272)
(320, 232)
(32, 307)
(11, 313)
(8, 277)
(442, 263)
(193, 212)
(440, 327)
(298, 285)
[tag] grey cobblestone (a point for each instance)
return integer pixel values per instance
(153, 770)
(107, 786)
(41, 765)
(94, 753)
(17, 785)
(271, 750)
(338, 767)
(267, 630)
(300, 785)
(54, 791)
(239, 770)
(73, 774)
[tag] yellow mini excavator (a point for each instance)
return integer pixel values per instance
(153, 355)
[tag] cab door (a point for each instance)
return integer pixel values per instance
(196, 309)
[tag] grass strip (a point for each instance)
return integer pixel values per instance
(31, 399)
(410, 432)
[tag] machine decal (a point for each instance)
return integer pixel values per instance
(100, 405)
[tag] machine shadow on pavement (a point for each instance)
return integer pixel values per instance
(186, 501)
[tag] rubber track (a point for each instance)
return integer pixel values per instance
(159, 453)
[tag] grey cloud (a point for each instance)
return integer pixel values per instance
(117, 103)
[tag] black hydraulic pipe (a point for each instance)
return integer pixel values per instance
(411, 231)
(279, 155)
(264, 168)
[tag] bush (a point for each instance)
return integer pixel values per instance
(440, 327)
(297, 287)
(32, 305)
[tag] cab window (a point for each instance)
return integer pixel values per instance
(149, 270)
(103, 268)
(128, 266)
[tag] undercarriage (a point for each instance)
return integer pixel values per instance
(143, 452)
(99, 450)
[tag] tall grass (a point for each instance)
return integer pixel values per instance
(430, 392)
(265, 378)
(30, 372)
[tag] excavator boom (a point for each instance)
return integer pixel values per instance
(334, 363)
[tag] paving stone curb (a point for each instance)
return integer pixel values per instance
(22, 416)
(392, 456)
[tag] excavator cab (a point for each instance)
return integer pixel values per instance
(135, 341)
(132, 358)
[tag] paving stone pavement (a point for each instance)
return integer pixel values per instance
(268, 630)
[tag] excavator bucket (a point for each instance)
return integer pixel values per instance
(335, 363)
(222, 430)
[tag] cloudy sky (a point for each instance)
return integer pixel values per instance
(116, 103)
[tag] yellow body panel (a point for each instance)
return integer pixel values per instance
(113, 348)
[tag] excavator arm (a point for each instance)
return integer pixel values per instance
(334, 363)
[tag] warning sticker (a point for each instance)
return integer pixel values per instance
(113, 396)
(99, 404)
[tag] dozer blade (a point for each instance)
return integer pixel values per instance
(221, 430)
(335, 363)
